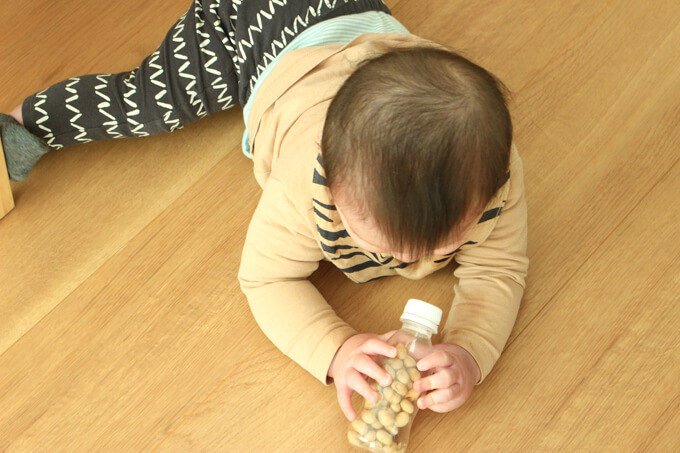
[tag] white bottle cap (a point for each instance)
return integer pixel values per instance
(422, 313)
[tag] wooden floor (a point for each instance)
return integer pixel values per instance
(122, 326)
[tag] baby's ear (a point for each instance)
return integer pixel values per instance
(318, 138)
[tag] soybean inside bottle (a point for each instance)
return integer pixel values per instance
(385, 426)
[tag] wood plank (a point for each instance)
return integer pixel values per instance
(81, 205)
(624, 152)
(663, 435)
(122, 358)
(6, 198)
(514, 42)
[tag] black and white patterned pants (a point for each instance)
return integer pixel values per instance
(207, 62)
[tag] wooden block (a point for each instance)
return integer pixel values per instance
(6, 199)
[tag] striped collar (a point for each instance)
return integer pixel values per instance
(362, 266)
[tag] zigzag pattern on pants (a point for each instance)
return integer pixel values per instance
(48, 135)
(194, 100)
(298, 24)
(82, 136)
(174, 123)
(136, 127)
(112, 123)
(218, 82)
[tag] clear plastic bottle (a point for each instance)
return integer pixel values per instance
(385, 426)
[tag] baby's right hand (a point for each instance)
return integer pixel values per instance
(354, 362)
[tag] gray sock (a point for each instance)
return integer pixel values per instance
(22, 149)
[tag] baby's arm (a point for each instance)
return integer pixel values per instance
(491, 282)
(487, 296)
(279, 254)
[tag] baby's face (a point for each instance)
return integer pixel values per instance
(368, 236)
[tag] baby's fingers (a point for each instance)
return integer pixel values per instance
(443, 400)
(375, 346)
(442, 379)
(358, 383)
(354, 382)
(437, 359)
(345, 401)
(366, 365)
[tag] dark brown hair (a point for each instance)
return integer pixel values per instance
(418, 137)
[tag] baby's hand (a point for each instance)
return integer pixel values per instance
(456, 373)
(353, 362)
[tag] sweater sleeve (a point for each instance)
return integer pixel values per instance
(491, 281)
(280, 253)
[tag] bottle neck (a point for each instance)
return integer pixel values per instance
(417, 329)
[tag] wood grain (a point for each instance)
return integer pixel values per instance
(122, 326)
(6, 197)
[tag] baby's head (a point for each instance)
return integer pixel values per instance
(415, 144)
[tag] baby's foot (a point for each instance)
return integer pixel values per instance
(22, 149)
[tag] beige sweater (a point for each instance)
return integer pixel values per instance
(296, 225)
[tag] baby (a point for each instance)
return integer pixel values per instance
(380, 151)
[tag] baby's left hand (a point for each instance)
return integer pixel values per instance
(456, 373)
